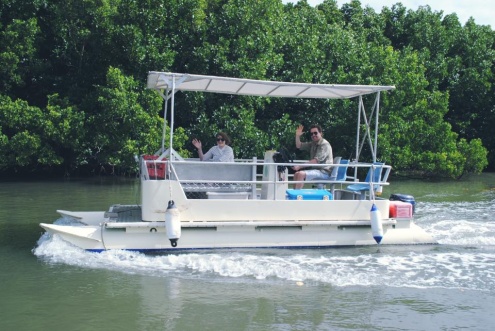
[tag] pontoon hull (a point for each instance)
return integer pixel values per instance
(146, 236)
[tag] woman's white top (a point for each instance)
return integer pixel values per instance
(225, 154)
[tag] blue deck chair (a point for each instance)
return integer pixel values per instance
(340, 174)
(342, 170)
(362, 188)
(333, 175)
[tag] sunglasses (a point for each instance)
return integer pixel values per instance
(314, 133)
(220, 139)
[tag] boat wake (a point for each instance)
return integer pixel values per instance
(434, 266)
(459, 223)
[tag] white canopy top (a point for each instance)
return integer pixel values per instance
(241, 86)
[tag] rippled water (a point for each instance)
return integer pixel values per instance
(446, 286)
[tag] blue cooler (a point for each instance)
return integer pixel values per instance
(308, 194)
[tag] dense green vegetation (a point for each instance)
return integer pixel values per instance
(73, 75)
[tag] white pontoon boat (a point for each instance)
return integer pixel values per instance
(188, 204)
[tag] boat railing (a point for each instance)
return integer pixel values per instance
(198, 178)
(251, 178)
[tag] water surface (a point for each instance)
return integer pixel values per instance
(47, 284)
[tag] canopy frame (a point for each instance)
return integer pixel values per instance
(167, 84)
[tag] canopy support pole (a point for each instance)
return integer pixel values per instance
(373, 143)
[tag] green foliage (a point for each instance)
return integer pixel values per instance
(17, 52)
(73, 97)
(34, 138)
(474, 154)
(123, 127)
(458, 60)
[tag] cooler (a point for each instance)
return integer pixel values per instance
(308, 194)
(400, 209)
(404, 198)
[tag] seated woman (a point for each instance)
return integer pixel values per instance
(222, 152)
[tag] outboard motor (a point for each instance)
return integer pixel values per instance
(404, 198)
